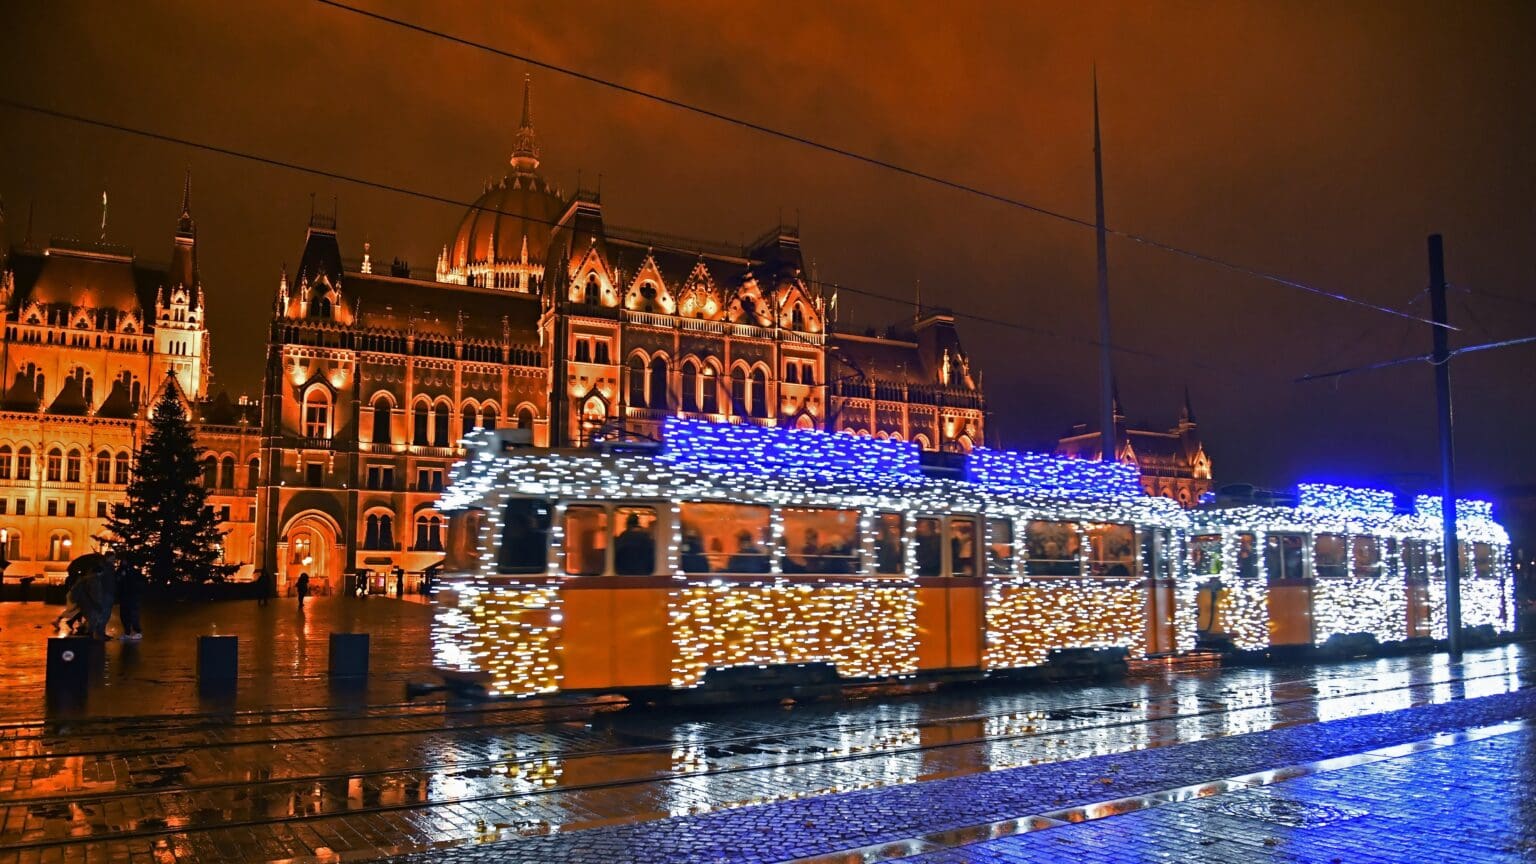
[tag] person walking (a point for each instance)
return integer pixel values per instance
(303, 587)
(130, 592)
(263, 588)
(99, 590)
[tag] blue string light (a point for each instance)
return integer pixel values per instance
(1467, 509)
(700, 444)
(1347, 500)
(1052, 475)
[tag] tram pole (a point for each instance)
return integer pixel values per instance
(1451, 553)
(1107, 446)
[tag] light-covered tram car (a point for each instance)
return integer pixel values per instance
(734, 551)
(1341, 563)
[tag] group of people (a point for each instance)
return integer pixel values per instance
(93, 584)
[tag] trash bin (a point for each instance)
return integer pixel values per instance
(218, 659)
(70, 660)
(349, 655)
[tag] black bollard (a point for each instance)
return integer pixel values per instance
(218, 661)
(349, 655)
(70, 660)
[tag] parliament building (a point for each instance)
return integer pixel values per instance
(535, 316)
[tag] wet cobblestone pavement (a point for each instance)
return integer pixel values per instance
(291, 768)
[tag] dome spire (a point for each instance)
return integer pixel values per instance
(525, 155)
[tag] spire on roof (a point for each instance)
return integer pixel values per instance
(1187, 415)
(525, 155)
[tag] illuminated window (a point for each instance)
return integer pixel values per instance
(929, 547)
(999, 546)
(963, 546)
(59, 546)
(1051, 549)
(725, 538)
(634, 546)
(1112, 550)
(1247, 556)
(524, 537)
(820, 541)
(1284, 561)
(1328, 557)
(890, 543)
(317, 413)
(1205, 554)
(1367, 556)
(586, 540)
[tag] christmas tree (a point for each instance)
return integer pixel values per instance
(165, 531)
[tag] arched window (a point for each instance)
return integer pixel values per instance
(319, 305)
(759, 393)
(60, 544)
(317, 413)
(121, 468)
(739, 390)
(103, 467)
(429, 533)
(12, 540)
(227, 473)
(5, 462)
(210, 472)
(690, 385)
(72, 467)
(440, 413)
(488, 418)
(470, 418)
(594, 292)
(89, 386)
(657, 394)
(709, 402)
(524, 419)
(371, 532)
(386, 531)
(253, 473)
(420, 423)
(636, 382)
(381, 417)
(797, 318)
(55, 466)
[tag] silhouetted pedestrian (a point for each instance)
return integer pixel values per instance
(303, 587)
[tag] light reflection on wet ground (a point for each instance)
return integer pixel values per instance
(274, 784)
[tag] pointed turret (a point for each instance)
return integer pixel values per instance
(525, 155)
(1187, 414)
(183, 272)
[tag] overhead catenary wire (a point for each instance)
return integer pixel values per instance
(874, 161)
(617, 233)
(1417, 358)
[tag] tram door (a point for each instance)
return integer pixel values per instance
(1290, 582)
(949, 554)
(1416, 574)
(1161, 630)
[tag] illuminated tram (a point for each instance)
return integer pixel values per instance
(738, 554)
(1343, 564)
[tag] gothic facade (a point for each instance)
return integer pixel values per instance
(1173, 464)
(92, 337)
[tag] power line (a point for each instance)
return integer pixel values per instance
(1416, 358)
(611, 230)
(872, 160)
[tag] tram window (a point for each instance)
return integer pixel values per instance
(634, 546)
(1112, 549)
(930, 555)
(820, 541)
(1205, 555)
(1247, 556)
(586, 540)
(962, 547)
(524, 537)
(1482, 560)
(890, 544)
(1328, 557)
(462, 552)
(1367, 556)
(1416, 562)
(999, 546)
(1052, 549)
(1282, 559)
(724, 538)
(1154, 548)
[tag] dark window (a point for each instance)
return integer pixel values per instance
(53, 506)
(21, 506)
(419, 424)
(738, 392)
(583, 349)
(658, 391)
(525, 419)
(488, 418)
(470, 417)
(381, 412)
(636, 385)
(69, 508)
(227, 472)
(634, 544)
(440, 425)
(600, 351)
(252, 473)
(690, 385)
(791, 372)
(429, 532)
(594, 291)
(101, 509)
(709, 381)
(759, 393)
(930, 551)
(314, 474)
(890, 544)
(524, 537)
(103, 466)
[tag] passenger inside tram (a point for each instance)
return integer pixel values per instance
(930, 560)
(890, 550)
(749, 557)
(634, 551)
(1328, 557)
(1052, 549)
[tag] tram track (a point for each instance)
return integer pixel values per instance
(541, 721)
(150, 830)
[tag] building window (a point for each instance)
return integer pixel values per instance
(210, 472)
(24, 463)
(12, 540)
(656, 396)
(791, 372)
(600, 352)
(120, 468)
(314, 474)
(381, 412)
(594, 290)
(69, 508)
(470, 417)
(797, 319)
(4, 505)
(420, 421)
(5, 462)
(583, 349)
(690, 385)
(488, 418)
(380, 532)
(759, 393)
(429, 533)
(252, 473)
(525, 419)
(709, 384)
(103, 467)
(53, 506)
(381, 477)
(317, 413)
(55, 465)
(440, 413)
(429, 480)
(739, 391)
(227, 473)
(21, 506)
(59, 545)
(636, 388)
(101, 509)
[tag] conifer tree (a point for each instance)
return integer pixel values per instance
(165, 531)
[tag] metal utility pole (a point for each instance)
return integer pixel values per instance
(1106, 373)
(1451, 554)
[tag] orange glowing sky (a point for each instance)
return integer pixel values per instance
(1322, 141)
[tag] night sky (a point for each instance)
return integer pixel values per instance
(1321, 141)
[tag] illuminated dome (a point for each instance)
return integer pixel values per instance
(503, 239)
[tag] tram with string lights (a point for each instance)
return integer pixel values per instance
(738, 559)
